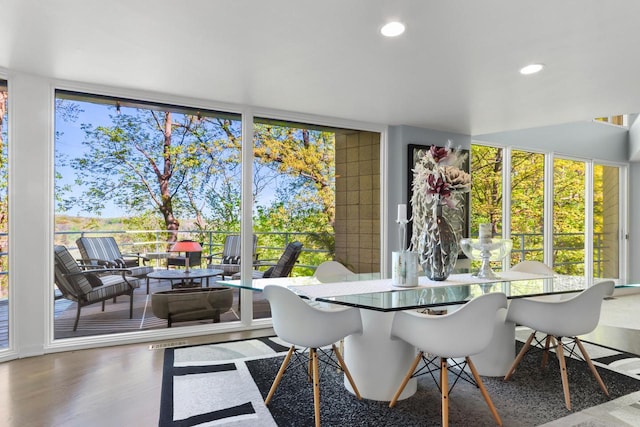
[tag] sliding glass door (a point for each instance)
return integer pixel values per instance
(527, 206)
(606, 221)
(569, 198)
(565, 212)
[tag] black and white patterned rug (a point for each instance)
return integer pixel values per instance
(225, 384)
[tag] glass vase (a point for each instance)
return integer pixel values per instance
(438, 247)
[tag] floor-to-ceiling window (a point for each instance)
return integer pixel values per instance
(487, 164)
(148, 175)
(319, 186)
(606, 221)
(4, 210)
(569, 204)
(527, 206)
(576, 213)
(486, 190)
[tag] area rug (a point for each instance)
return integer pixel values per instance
(225, 384)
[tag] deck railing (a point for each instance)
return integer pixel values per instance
(141, 241)
(564, 245)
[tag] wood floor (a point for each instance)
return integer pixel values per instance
(120, 386)
(115, 387)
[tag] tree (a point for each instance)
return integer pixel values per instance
(152, 158)
(182, 167)
(527, 203)
(307, 158)
(486, 188)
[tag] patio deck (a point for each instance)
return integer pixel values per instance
(115, 318)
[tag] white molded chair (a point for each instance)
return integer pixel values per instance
(461, 334)
(535, 267)
(303, 325)
(561, 319)
(332, 271)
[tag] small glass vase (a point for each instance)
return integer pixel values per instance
(438, 247)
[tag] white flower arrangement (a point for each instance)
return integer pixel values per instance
(438, 180)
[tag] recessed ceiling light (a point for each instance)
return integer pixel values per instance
(392, 29)
(531, 69)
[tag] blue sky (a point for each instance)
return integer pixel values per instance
(70, 145)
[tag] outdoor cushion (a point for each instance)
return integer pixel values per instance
(85, 286)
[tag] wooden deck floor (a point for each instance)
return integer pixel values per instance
(115, 318)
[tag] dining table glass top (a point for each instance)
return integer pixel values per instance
(369, 291)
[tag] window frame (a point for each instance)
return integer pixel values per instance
(550, 156)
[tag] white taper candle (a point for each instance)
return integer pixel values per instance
(402, 213)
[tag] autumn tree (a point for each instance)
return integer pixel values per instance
(307, 158)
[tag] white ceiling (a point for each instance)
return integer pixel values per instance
(455, 68)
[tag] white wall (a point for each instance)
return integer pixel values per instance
(634, 137)
(30, 123)
(634, 223)
(588, 140)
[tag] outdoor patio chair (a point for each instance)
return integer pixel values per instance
(229, 259)
(282, 268)
(101, 252)
(87, 287)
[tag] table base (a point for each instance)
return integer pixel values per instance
(376, 362)
(498, 357)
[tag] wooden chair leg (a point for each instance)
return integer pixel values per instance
(276, 381)
(346, 372)
(545, 355)
(520, 356)
(342, 346)
(483, 390)
(594, 371)
(405, 380)
(563, 373)
(444, 389)
(316, 385)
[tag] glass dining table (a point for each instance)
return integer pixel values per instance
(377, 362)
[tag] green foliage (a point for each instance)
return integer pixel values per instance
(169, 170)
(486, 188)
(527, 204)
(307, 159)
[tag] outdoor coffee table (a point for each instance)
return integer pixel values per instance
(186, 278)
